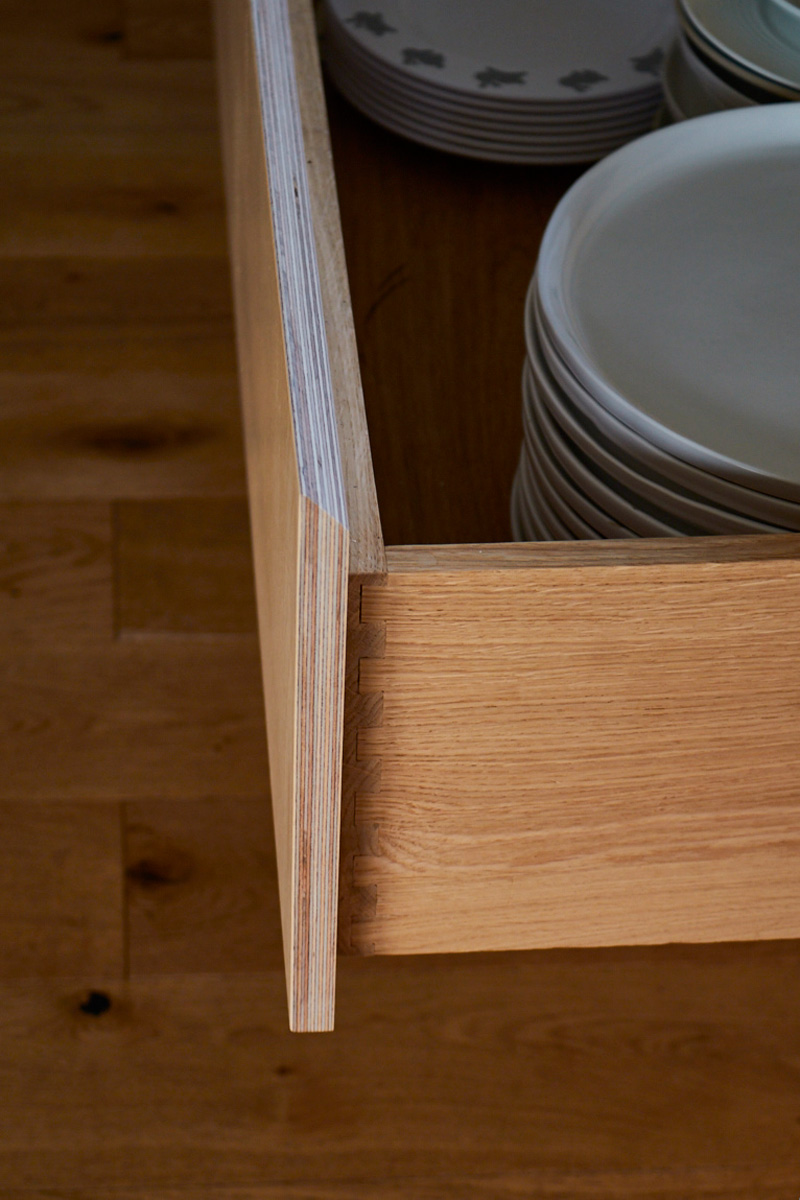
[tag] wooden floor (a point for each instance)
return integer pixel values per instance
(143, 1045)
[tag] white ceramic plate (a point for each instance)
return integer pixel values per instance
(707, 81)
(564, 522)
(562, 392)
(692, 90)
(338, 40)
(551, 50)
(440, 137)
(347, 59)
(368, 96)
(668, 284)
(560, 489)
(758, 37)
(631, 513)
(676, 505)
(526, 522)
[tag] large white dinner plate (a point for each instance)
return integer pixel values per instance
(563, 522)
(526, 518)
(440, 136)
(757, 38)
(629, 512)
(668, 282)
(674, 503)
(550, 50)
(563, 394)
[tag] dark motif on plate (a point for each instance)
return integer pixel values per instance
(491, 77)
(423, 58)
(372, 22)
(581, 81)
(649, 64)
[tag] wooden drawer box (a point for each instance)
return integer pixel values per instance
(474, 745)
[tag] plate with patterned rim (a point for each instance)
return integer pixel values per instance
(347, 56)
(554, 50)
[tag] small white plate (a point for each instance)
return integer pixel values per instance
(338, 39)
(347, 58)
(518, 137)
(668, 284)
(552, 50)
(563, 149)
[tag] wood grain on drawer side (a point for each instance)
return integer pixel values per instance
(584, 755)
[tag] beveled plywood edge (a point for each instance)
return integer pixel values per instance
(366, 541)
(298, 510)
(311, 973)
(305, 341)
(632, 552)
(361, 773)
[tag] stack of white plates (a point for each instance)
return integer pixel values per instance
(528, 81)
(662, 383)
(731, 54)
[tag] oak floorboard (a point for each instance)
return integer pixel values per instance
(184, 565)
(173, 30)
(202, 889)
(83, 204)
(175, 717)
(81, 290)
(60, 889)
(627, 1185)
(672, 1065)
(78, 434)
(190, 349)
(66, 92)
(56, 584)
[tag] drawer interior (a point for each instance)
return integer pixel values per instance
(440, 252)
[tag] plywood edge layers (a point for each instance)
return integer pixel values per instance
(319, 731)
(295, 483)
(366, 542)
(584, 756)
(305, 340)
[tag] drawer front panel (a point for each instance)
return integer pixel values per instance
(295, 480)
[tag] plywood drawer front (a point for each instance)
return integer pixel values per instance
(279, 186)
(581, 754)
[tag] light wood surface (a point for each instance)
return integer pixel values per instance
(297, 501)
(582, 756)
(143, 717)
(653, 1073)
(184, 566)
(202, 887)
(613, 1073)
(56, 574)
(61, 903)
(174, 31)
